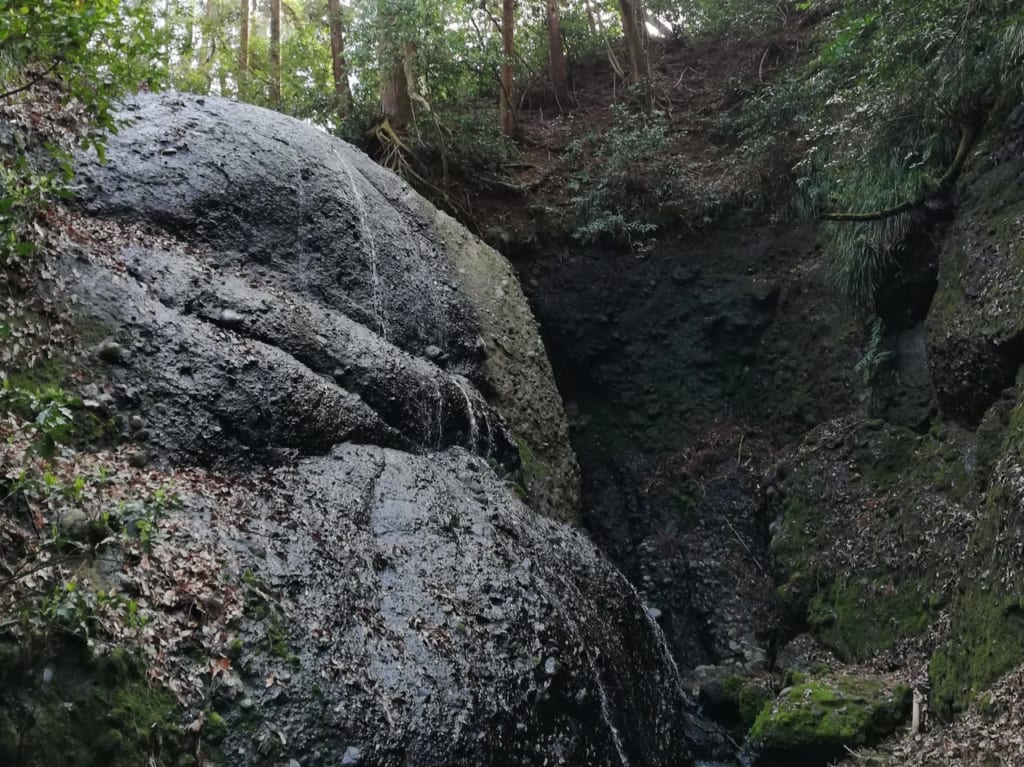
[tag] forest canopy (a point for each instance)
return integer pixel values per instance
(871, 118)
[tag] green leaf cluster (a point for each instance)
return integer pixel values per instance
(82, 57)
(878, 115)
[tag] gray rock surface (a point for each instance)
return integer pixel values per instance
(452, 625)
(282, 206)
(406, 607)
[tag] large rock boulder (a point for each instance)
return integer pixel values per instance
(285, 207)
(263, 302)
(818, 720)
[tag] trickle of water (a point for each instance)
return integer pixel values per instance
(468, 393)
(438, 415)
(606, 714)
(677, 677)
(376, 287)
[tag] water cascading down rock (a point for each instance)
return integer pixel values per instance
(310, 323)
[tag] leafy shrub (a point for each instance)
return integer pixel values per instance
(878, 116)
(69, 58)
(629, 181)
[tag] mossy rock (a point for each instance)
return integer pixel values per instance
(734, 701)
(851, 494)
(814, 722)
(64, 707)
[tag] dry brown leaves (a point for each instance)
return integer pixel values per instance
(166, 582)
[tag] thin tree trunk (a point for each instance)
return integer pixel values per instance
(190, 50)
(591, 21)
(597, 17)
(556, 53)
(209, 49)
(342, 91)
(634, 33)
(634, 40)
(243, 46)
(275, 53)
(508, 118)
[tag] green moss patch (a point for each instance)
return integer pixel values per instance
(62, 707)
(837, 614)
(987, 632)
(872, 529)
(815, 721)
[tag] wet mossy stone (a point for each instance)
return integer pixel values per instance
(733, 701)
(814, 722)
(62, 706)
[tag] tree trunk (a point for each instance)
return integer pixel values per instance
(591, 19)
(395, 100)
(275, 53)
(634, 32)
(243, 46)
(559, 71)
(508, 118)
(342, 91)
(209, 49)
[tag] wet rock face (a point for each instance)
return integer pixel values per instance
(425, 604)
(976, 324)
(684, 367)
(310, 247)
(403, 606)
(270, 195)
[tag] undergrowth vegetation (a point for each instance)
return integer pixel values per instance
(63, 66)
(884, 116)
(626, 186)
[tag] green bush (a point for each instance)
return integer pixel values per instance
(628, 181)
(73, 60)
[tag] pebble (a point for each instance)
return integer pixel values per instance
(351, 755)
(138, 458)
(74, 524)
(433, 352)
(230, 318)
(246, 704)
(136, 423)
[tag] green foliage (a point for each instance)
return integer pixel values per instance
(74, 610)
(97, 51)
(875, 356)
(878, 116)
(628, 183)
(94, 52)
(23, 191)
(50, 410)
(711, 16)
